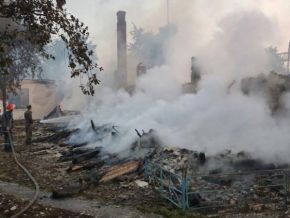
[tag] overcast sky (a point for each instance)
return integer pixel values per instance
(198, 17)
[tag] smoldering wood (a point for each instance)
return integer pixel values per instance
(56, 112)
(78, 158)
(201, 158)
(55, 138)
(81, 150)
(88, 155)
(53, 128)
(115, 129)
(79, 145)
(99, 129)
(112, 159)
(72, 145)
(93, 125)
(104, 129)
(106, 168)
(95, 163)
(75, 151)
(138, 133)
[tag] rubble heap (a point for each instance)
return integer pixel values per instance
(236, 180)
(223, 180)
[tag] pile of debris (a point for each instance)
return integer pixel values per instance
(58, 112)
(100, 167)
(228, 178)
(241, 181)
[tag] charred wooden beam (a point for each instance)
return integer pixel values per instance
(86, 156)
(120, 170)
(94, 164)
(93, 125)
(55, 138)
(106, 128)
(73, 145)
(86, 166)
(80, 145)
(78, 158)
(71, 153)
(138, 133)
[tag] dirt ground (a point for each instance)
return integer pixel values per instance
(9, 205)
(52, 174)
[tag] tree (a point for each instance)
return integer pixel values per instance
(27, 26)
(148, 47)
(58, 68)
(274, 60)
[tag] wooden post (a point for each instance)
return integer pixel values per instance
(288, 58)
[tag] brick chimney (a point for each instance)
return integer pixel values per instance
(121, 76)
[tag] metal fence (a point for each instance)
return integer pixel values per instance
(171, 186)
(232, 192)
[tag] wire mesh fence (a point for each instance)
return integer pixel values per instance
(232, 192)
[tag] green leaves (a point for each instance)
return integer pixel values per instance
(35, 23)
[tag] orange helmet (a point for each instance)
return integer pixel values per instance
(9, 107)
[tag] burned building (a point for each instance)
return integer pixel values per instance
(41, 94)
(121, 73)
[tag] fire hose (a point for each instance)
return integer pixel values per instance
(34, 199)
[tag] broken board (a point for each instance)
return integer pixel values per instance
(119, 170)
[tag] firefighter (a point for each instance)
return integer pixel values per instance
(7, 126)
(28, 125)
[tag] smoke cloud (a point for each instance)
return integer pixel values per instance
(228, 38)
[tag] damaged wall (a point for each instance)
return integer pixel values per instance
(42, 96)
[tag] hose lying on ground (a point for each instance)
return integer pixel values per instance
(30, 177)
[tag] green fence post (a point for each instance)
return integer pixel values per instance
(184, 202)
(184, 190)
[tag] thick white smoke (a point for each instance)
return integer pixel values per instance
(229, 40)
(238, 48)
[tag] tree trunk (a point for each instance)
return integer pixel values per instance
(4, 100)
(4, 94)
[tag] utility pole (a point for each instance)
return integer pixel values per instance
(168, 12)
(288, 58)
